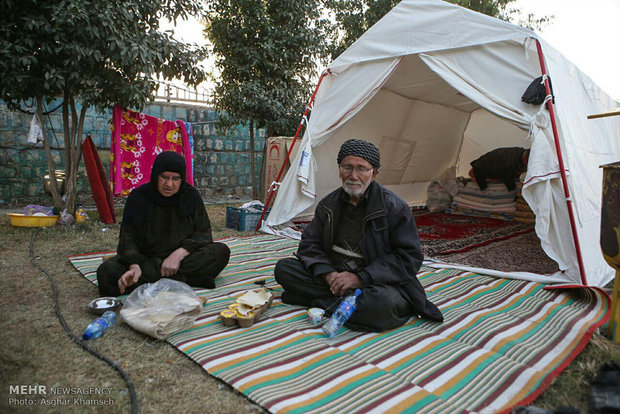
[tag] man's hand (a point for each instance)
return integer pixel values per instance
(171, 264)
(130, 277)
(340, 283)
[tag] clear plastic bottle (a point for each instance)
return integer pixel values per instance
(342, 313)
(99, 325)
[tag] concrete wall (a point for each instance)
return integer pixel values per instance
(222, 160)
(221, 167)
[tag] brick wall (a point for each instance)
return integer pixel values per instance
(221, 160)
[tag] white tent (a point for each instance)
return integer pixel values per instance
(434, 85)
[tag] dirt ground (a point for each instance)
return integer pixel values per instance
(36, 350)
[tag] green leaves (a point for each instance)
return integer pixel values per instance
(100, 51)
(266, 54)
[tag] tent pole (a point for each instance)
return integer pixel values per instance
(304, 118)
(558, 151)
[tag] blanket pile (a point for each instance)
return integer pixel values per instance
(523, 212)
(494, 201)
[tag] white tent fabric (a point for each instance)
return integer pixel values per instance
(434, 86)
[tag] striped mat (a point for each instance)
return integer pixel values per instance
(501, 344)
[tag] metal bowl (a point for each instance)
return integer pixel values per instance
(101, 305)
(60, 182)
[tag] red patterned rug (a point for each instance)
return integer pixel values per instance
(443, 233)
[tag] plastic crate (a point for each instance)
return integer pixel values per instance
(242, 219)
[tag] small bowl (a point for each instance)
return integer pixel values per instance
(101, 305)
(315, 315)
(228, 317)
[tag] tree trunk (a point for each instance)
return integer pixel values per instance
(252, 170)
(66, 127)
(73, 141)
(56, 197)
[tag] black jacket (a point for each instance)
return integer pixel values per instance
(390, 245)
(504, 164)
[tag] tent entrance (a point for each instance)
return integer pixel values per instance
(422, 126)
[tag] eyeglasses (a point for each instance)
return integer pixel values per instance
(174, 179)
(348, 169)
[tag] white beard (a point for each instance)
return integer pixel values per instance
(355, 188)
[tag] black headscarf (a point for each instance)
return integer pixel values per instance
(168, 161)
(362, 149)
(140, 206)
(172, 162)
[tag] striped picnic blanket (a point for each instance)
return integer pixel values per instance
(501, 344)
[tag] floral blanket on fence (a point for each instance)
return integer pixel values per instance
(136, 140)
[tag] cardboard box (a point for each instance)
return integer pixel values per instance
(274, 155)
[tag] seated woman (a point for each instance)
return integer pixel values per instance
(165, 232)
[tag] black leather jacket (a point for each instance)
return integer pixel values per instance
(390, 245)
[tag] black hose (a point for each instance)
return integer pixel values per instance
(80, 342)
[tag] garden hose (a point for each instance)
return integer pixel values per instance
(79, 341)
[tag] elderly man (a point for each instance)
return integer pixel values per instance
(362, 236)
(165, 232)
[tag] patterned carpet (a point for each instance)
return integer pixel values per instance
(443, 233)
(522, 253)
(501, 344)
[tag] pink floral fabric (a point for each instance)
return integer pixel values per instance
(136, 140)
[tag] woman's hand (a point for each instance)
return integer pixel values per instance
(129, 278)
(171, 264)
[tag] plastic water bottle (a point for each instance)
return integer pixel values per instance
(341, 315)
(99, 325)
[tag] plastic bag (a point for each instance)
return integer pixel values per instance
(536, 92)
(254, 205)
(66, 219)
(437, 199)
(162, 308)
(441, 190)
(35, 133)
(449, 182)
(32, 209)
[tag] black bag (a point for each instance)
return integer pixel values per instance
(604, 395)
(535, 93)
